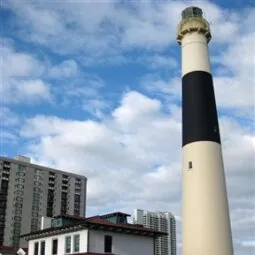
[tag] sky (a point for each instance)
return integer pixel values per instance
(94, 88)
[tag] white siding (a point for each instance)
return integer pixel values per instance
(61, 243)
(45, 222)
(122, 244)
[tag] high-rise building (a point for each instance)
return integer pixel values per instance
(29, 191)
(161, 221)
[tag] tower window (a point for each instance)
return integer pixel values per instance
(190, 164)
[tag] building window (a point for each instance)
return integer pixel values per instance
(190, 164)
(42, 248)
(20, 180)
(19, 192)
(76, 243)
(107, 243)
(36, 248)
(22, 168)
(18, 205)
(37, 189)
(18, 218)
(77, 198)
(19, 199)
(68, 244)
(17, 211)
(22, 174)
(55, 247)
(19, 186)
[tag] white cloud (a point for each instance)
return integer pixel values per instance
(238, 89)
(106, 60)
(25, 91)
(158, 62)
(233, 92)
(238, 57)
(34, 88)
(7, 138)
(8, 117)
(154, 84)
(21, 77)
(134, 106)
(18, 64)
(9, 123)
(96, 107)
(82, 92)
(153, 62)
(109, 27)
(65, 69)
(249, 243)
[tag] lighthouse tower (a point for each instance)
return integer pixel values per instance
(206, 226)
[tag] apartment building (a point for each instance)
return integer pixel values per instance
(161, 221)
(29, 191)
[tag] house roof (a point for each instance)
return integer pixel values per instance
(24, 249)
(69, 217)
(95, 223)
(114, 214)
(98, 220)
(8, 249)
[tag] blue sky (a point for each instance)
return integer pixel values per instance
(95, 88)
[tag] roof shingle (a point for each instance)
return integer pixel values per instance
(96, 222)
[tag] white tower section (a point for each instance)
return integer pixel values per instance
(206, 226)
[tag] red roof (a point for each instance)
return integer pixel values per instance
(97, 223)
(25, 249)
(71, 217)
(114, 213)
(100, 221)
(10, 249)
(7, 249)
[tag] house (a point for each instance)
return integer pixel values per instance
(105, 234)
(7, 250)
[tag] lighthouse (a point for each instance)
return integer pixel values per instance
(206, 228)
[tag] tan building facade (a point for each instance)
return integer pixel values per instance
(29, 191)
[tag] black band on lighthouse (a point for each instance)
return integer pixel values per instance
(200, 120)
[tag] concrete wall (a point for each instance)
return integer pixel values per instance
(122, 244)
(61, 243)
(83, 197)
(44, 195)
(9, 214)
(26, 210)
(70, 196)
